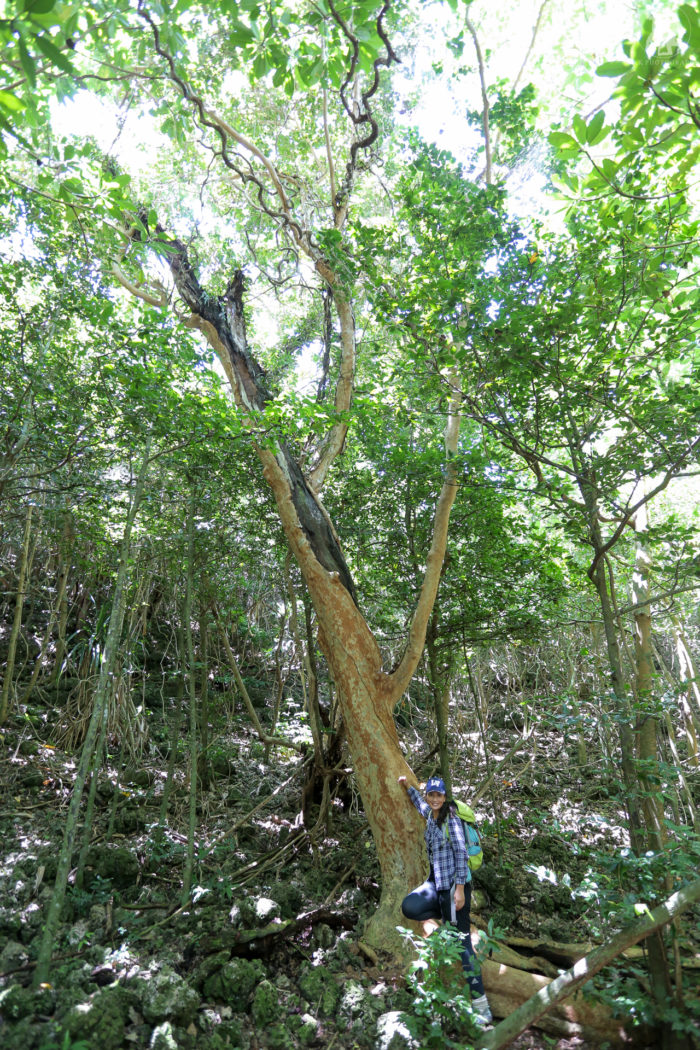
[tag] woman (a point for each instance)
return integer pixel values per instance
(446, 894)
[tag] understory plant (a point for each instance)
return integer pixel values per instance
(441, 1014)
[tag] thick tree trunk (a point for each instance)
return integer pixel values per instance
(367, 694)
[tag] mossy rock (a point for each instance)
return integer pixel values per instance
(278, 1037)
(141, 777)
(166, 996)
(323, 936)
(131, 819)
(266, 1004)
(234, 982)
(289, 896)
(228, 1035)
(208, 967)
(307, 1034)
(357, 1012)
(163, 1038)
(356, 1001)
(17, 1002)
(319, 987)
(10, 923)
(23, 1034)
(393, 1032)
(31, 778)
(13, 955)
(99, 1020)
(502, 889)
(254, 911)
(115, 863)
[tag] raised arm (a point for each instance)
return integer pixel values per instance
(416, 798)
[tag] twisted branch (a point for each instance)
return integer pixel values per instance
(365, 115)
(208, 118)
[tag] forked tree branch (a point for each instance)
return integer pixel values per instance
(210, 119)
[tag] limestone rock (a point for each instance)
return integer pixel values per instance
(115, 863)
(266, 1004)
(234, 982)
(167, 997)
(320, 988)
(13, 956)
(163, 1038)
(99, 1021)
(393, 1032)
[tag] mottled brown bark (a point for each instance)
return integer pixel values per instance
(366, 693)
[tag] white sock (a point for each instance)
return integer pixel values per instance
(481, 1005)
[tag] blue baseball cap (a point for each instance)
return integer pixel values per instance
(435, 784)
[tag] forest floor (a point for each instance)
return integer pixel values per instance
(268, 951)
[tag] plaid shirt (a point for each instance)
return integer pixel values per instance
(447, 856)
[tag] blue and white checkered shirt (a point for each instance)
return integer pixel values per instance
(447, 855)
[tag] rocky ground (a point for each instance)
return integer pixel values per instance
(268, 952)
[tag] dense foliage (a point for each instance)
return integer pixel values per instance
(233, 259)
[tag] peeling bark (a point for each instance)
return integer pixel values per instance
(366, 693)
(221, 319)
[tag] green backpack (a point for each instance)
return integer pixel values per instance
(471, 836)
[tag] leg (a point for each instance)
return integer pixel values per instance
(422, 903)
(446, 902)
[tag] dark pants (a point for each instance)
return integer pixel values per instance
(427, 902)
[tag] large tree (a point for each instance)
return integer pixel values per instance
(272, 122)
(277, 173)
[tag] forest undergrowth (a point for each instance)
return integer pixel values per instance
(267, 952)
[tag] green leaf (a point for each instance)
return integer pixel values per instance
(609, 167)
(260, 66)
(580, 129)
(688, 18)
(73, 186)
(11, 102)
(562, 138)
(613, 69)
(594, 128)
(27, 63)
(39, 7)
(51, 52)
(240, 35)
